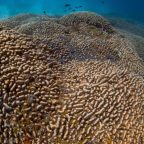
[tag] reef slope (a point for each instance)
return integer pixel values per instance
(73, 79)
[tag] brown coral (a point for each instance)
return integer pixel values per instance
(101, 102)
(82, 40)
(41, 29)
(88, 18)
(21, 19)
(29, 79)
(96, 96)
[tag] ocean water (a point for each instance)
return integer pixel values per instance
(129, 9)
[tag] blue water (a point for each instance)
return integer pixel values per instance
(130, 9)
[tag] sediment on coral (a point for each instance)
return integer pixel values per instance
(21, 19)
(88, 18)
(136, 40)
(69, 83)
(80, 37)
(41, 28)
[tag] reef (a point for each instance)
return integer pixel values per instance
(132, 31)
(72, 79)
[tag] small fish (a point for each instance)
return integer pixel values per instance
(44, 12)
(78, 7)
(67, 5)
(102, 2)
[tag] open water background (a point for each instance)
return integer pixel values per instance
(130, 9)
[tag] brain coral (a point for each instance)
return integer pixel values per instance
(88, 18)
(44, 102)
(42, 29)
(80, 38)
(28, 81)
(16, 20)
(86, 41)
(100, 104)
(21, 19)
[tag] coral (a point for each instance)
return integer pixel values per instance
(137, 42)
(41, 29)
(101, 103)
(94, 48)
(29, 85)
(21, 19)
(82, 40)
(69, 82)
(15, 21)
(128, 56)
(86, 17)
(109, 47)
(78, 102)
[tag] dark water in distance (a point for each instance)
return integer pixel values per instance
(130, 9)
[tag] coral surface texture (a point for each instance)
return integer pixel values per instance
(69, 80)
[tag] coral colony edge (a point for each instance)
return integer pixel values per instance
(73, 79)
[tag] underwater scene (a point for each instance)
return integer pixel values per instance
(71, 72)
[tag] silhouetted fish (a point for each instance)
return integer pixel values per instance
(67, 5)
(77, 7)
(102, 2)
(44, 12)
